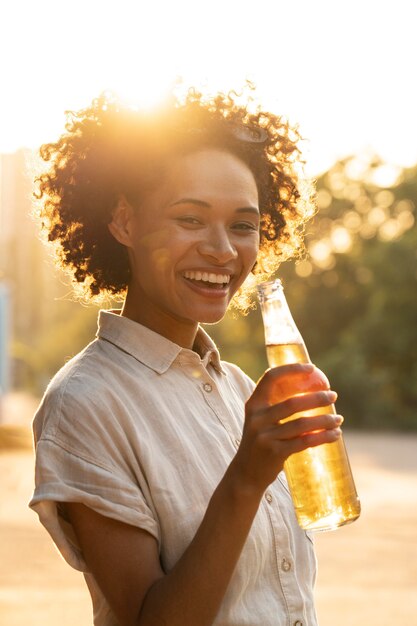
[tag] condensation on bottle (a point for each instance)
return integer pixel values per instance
(320, 478)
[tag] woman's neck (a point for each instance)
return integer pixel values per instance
(181, 332)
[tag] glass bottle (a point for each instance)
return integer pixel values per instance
(320, 478)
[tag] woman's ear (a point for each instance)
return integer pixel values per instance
(121, 224)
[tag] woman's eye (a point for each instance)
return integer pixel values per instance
(189, 219)
(245, 226)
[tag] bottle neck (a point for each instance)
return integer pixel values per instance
(282, 337)
(286, 353)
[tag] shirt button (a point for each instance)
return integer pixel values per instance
(286, 566)
(207, 387)
(268, 497)
(237, 442)
(298, 623)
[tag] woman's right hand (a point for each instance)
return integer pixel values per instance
(268, 440)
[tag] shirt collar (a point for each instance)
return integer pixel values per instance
(150, 348)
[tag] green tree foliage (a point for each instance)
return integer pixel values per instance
(358, 305)
(354, 297)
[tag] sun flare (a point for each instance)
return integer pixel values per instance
(342, 96)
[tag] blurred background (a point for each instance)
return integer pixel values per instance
(345, 73)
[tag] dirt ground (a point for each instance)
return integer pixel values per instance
(367, 570)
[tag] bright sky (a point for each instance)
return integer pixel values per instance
(344, 70)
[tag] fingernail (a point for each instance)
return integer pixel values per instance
(332, 395)
(338, 419)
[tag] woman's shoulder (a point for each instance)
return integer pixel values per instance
(79, 390)
(240, 380)
(78, 371)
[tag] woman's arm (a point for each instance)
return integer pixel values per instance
(124, 560)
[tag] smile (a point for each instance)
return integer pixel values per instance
(209, 278)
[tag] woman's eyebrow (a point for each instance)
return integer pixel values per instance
(201, 203)
(248, 209)
(207, 205)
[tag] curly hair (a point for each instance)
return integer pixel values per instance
(111, 150)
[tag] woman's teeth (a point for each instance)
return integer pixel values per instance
(208, 277)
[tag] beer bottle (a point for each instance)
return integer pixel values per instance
(320, 478)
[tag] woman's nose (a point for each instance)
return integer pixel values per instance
(218, 246)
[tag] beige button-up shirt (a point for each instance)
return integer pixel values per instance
(142, 430)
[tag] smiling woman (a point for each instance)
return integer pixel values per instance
(152, 454)
(191, 245)
(111, 150)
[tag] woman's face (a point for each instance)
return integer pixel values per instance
(192, 243)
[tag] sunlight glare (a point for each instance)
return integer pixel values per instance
(389, 230)
(341, 239)
(146, 93)
(376, 216)
(323, 199)
(352, 221)
(386, 175)
(303, 268)
(384, 198)
(321, 253)
(137, 50)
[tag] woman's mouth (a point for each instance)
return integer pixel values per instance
(210, 280)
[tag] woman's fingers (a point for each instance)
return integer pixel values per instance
(304, 426)
(310, 440)
(283, 417)
(266, 446)
(298, 404)
(263, 392)
(271, 415)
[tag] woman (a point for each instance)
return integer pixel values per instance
(159, 467)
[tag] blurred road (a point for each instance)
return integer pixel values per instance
(367, 571)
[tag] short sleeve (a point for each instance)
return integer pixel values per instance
(61, 476)
(81, 451)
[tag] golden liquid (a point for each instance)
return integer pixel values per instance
(320, 479)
